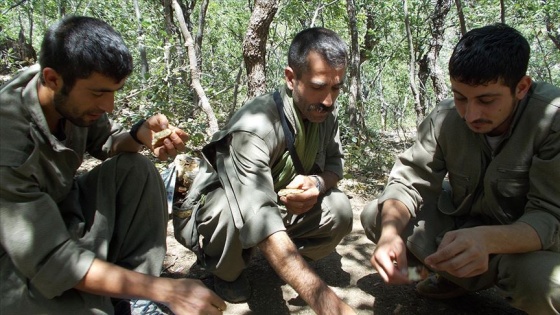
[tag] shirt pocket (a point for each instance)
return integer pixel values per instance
(512, 187)
(460, 186)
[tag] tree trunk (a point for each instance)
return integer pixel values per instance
(236, 89)
(412, 68)
(429, 67)
(353, 68)
(318, 10)
(195, 75)
(200, 33)
(254, 46)
(502, 12)
(462, 22)
(552, 32)
(144, 67)
(30, 10)
(168, 17)
(370, 40)
(61, 6)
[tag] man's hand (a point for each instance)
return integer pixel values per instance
(192, 297)
(182, 296)
(461, 253)
(389, 256)
(166, 147)
(284, 257)
(302, 202)
(465, 252)
(389, 259)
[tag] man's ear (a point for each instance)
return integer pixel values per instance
(290, 77)
(52, 79)
(523, 87)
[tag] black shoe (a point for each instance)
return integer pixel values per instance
(237, 291)
(437, 287)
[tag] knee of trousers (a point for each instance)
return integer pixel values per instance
(341, 210)
(135, 163)
(137, 170)
(369, 219)
(531, 281)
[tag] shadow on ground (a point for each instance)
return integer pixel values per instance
(348, 272)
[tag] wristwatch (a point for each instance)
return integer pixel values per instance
(134, 130)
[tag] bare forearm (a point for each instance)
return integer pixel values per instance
(111, 280)
(124, 143)
(394, 216)
(292, 268)
(510, 239)
(182, 296)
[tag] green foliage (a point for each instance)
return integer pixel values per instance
(387, 99)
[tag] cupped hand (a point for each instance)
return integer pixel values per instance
(461, 253)
(169, 146)
(389, 259)
(192, 297)
(302, 202)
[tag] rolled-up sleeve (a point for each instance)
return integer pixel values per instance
(418, 172)
(542, 211)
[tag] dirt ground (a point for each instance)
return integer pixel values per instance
(347, 271)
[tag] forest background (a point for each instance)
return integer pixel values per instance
(199, 61)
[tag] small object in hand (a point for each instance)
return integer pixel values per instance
(289, 191)
(160, 135)
(417, 273)
(187, 169)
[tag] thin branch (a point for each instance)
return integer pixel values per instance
(14, 6)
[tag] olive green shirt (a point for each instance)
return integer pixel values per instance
(36, 173)
(518, 181)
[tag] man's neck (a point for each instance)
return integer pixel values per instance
(46, 97)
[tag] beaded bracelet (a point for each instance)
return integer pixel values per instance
(319, 183)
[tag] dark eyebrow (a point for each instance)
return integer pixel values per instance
(457, 92)
(478, 96)
(321, 83)
(106, 90)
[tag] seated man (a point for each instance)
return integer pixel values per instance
(234, 200)
(70, 244)
(495, 219)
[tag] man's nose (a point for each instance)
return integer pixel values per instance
(107, 103)
(329, 99)
(472, 111)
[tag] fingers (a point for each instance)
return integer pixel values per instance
(459, 254)
(219, 305)
(389, 259)
(300, 203)
(389, 270)
(298, 208)
(171, 145)
(158, 122)
(183, 136)
(297, 182)
(464, 264)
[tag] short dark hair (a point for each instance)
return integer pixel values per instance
(320, 40)
(489, 54)
(77, 46)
